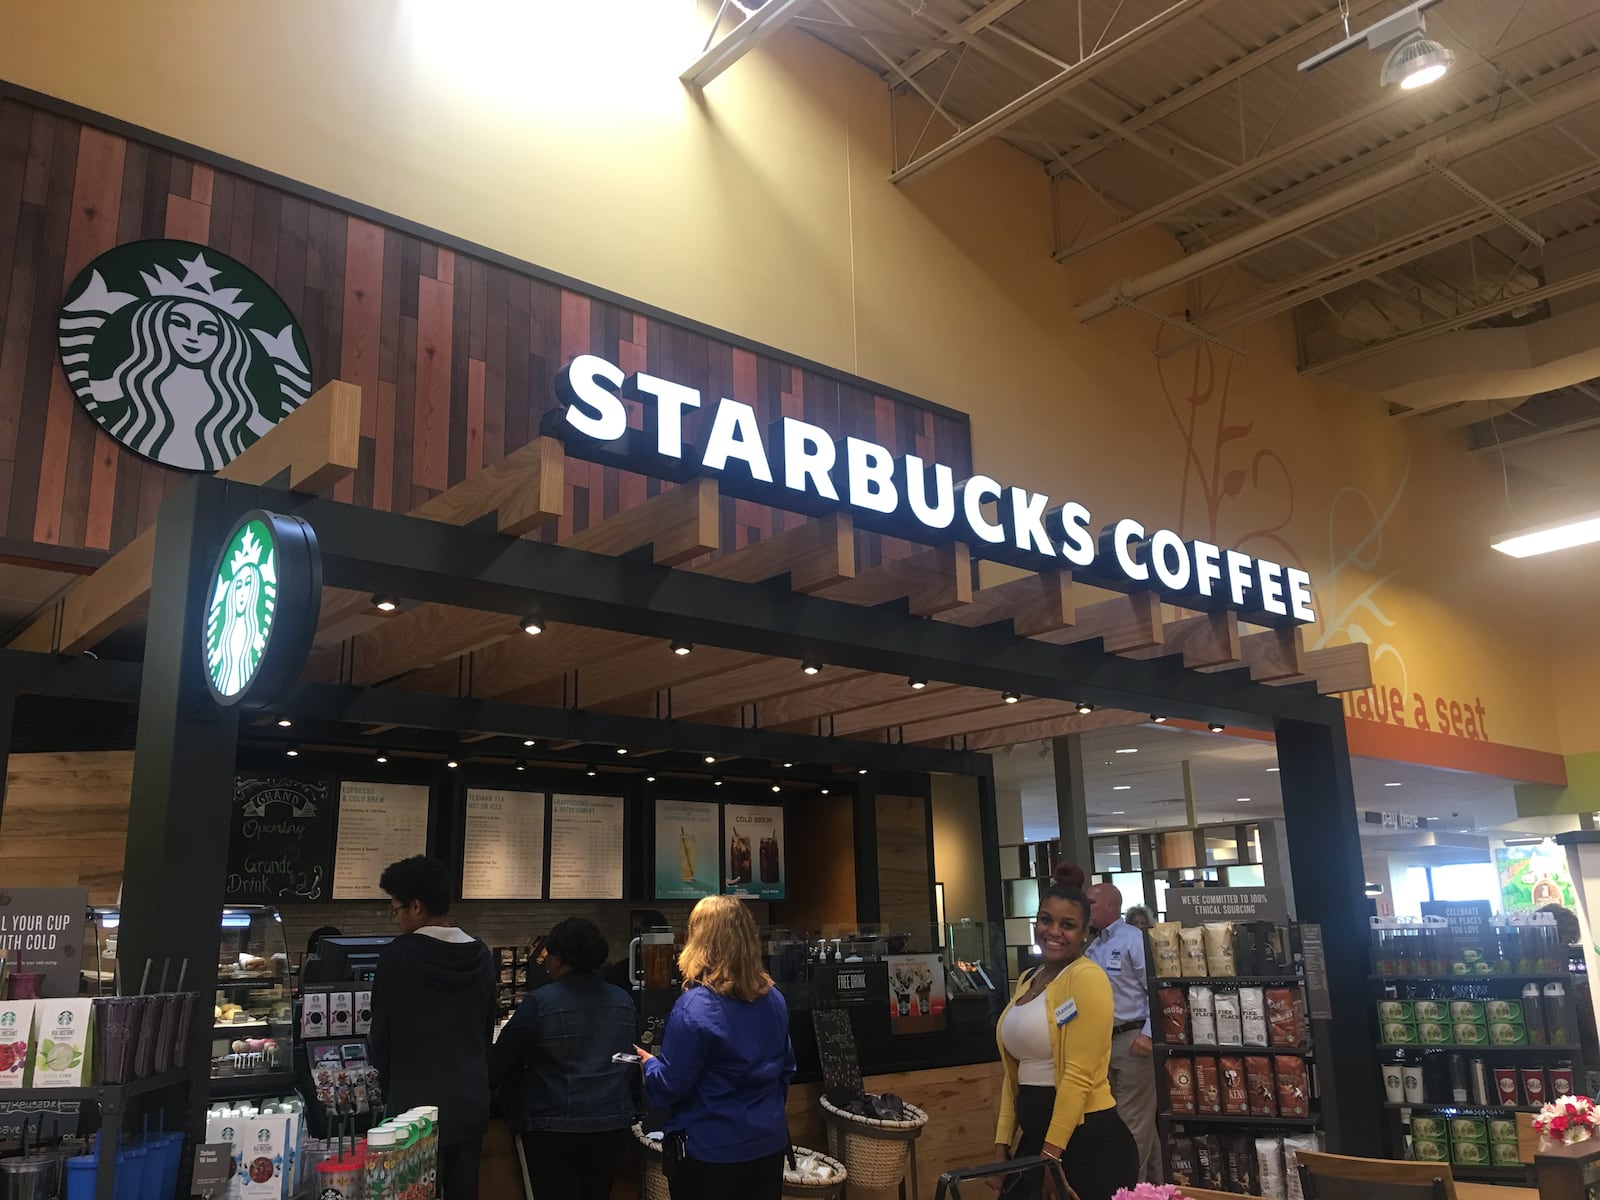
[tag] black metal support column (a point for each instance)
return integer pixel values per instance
(1329, 886)
(868, 911)
(177, 849)
(1072, 801)
(994, 901)
(8, 714)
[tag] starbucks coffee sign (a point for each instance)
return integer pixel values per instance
(261, 608)
(180, 353)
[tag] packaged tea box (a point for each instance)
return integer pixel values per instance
(1429, 1149)
(1465, 1033)
(1399, 1033)
(1468, 1129)
(1395, 1010)
(1431, 1010)
(1503, 1010)
(63, 1037)
(16, 1042)
(1503, 1129)
(1505, 1154)
(1470, 1154)
(1466, 1010)
(1504, 1033)
(1432, 1128)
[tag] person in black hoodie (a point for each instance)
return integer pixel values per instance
(433, 1008)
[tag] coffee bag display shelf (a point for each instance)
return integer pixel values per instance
(1191, 1048)
(1474, 1109)
(249, 1087)
(1227, 980)
(1568, 1049)
(1462, 980)
(1310, 1122)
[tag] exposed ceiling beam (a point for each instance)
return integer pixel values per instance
(982, 19)
(1551, 107)
(1057, 85)
(755, 29)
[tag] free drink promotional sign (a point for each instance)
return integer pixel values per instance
(686, 850)
(753, 849)
(916, 993)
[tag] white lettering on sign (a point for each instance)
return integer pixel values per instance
(910, 496)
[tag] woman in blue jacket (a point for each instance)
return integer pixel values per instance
(725, 1063)
(568, 1100)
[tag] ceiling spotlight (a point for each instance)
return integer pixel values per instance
(1158, 720)
(788, 766)
(824, 791)
(811, 666)
(292, 750)
(384, 603)
(532, 624)
(1215, 726)
(284, 722)
(382, 756)
(1085, 708)
(861, 770)
(649, 778)
(710, 759)
(452, 764)
(622, 749)
(529, 742)
(717, 782)
(590, 771)
(682, 648)
(1010, 697)
(777, 788)
(1415, 60)
(521, 765)
(917, 684)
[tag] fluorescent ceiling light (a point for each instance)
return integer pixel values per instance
(1241, 799)
(1272, 770)
(1391, 785)
(1578, 532)
(1128, 750)
(1122, 787)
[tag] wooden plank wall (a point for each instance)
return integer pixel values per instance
(905, 881)
(821, 866)
(65, 821)
(454, 354)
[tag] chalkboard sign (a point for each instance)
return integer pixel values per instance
(1315, 959)
(836, 1048)
(280, 841)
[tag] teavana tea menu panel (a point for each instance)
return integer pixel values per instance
(503, 846)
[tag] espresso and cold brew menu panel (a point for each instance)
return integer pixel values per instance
(754, 848)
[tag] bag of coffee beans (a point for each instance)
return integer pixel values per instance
(1269, 1167)
(1166, 947)
(1262, 1086)
(1239, 1159)
(1253, 1014)
(1180, 1085)
(1180, 1161)
(1219, 948)
(1194, 952)
(1235, 1094)
(1207, 1086)
(1208, 1164)
(1294, 1089)
(1286, 1017)
(1291, 1168)
(1174, 1016)
(1202, 1016)
(1230, 1029)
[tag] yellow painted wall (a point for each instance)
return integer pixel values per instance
(558, 132)
(958, 846)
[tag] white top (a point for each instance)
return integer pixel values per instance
(1026, 1033)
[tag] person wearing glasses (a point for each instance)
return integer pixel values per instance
(433, 1009)
(553, 1065)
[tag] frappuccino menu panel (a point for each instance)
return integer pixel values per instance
(753, 850)
(503, 846)
(585, 847)
(379, 823)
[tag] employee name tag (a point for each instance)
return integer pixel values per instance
(1065, 1011)
(1116, 961)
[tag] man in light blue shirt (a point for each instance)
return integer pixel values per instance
(1119, 949)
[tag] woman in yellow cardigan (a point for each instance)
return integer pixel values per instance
(1055, 1044)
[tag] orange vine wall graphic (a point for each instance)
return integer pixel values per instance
(1224, 468)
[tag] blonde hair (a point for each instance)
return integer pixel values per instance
(722, 951)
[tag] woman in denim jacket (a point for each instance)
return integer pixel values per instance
(569, 1101)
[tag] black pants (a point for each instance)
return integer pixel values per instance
(573, 1166)
(758, 1179)
(458, 1169)
(1100, 1157)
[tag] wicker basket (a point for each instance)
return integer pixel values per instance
(652, 1183)
(874, 1152)
(825, 1190)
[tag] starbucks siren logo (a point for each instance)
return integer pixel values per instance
(180, 353)
(244, 598)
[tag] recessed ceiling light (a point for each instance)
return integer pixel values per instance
(1010, 697)
(532, 625)
(622, 749)
(292, 750)
(788, 766)
(1391, 785)
(521, 766)
(284, 722)
(1241, 799)
(452, 764)
(1215, 726)
(717, 782)
(811, 666)
(528, 742)
(649, 778)
(383, 756)
(777, 787)
(1128, 750)
(917, 684)
(1158, 720)
(861, 770)
(682, 648)
(384, 603)
(824, 791)
(590, 771)
(1085, 708)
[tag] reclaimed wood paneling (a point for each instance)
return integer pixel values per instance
(65, 821)
(454, 353)
(905, 868)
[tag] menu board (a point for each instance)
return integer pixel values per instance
(280, 841)
(379, 823)
(503, 848)
(686, 850)
(753, 852)
(585, 847)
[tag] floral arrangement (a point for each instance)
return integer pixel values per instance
(1149, 1191)
(1565, 1121)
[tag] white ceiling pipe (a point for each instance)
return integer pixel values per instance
(1550, 107)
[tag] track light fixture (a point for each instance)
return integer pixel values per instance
(1414, 59)
(292, 750)
(1158, 720)
(716, 781)
(861, 770)
(452, 764)
(529, 743)
(788, 766)
(917, 684)
(284, 722)
(711, 759)
(1010, 697)
(521, 765)
(382, 756)
(1215, 726)
(811, 666)
(532, 624)
(622, 749)
(824, 791)
(591, 771)
(1084, 708)
(681, 648)
(649, 778)
(777, 787)
(384, 602)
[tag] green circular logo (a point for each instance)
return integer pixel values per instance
(261, 608)
(180, 353)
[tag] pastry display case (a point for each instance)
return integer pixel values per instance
(252, 1044)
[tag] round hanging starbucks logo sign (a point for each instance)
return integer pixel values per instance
(261, 608)
(180, 353)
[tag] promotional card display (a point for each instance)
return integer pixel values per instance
(346, 1083)
(62, 1047)
(16, 1042)
(379, 823)
(916, 993)
(754, 838)
(503, 848)
(41, 932)
(586, 848)
(686, 850)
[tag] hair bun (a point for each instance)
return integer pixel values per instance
(1068, 874)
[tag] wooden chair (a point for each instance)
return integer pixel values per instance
(1341, 1177)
